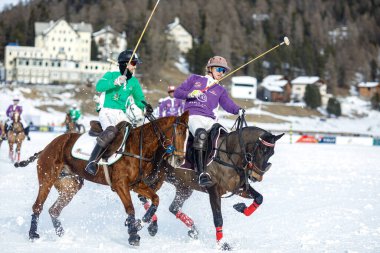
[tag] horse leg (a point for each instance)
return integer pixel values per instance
(10, 149)
(46, 181)
(153, 226)
(250, 194)
(67, 187)
(216, 201)
(181, 195)
(122, 189)
(144, 192)
(18, 150)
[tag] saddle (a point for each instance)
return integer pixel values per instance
(214, 134)
(86, 143)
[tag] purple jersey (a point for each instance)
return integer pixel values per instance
(211, 98)
(13, 108)
(170, 107)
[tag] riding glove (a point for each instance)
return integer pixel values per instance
(120, 80)
(195, 94)
(148, 109)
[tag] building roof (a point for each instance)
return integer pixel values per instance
(368, 84)
(244, 79)
(305, 80)
(273, 88)
(107, 29)
(42, 28)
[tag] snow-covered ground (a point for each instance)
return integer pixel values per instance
(317, 198)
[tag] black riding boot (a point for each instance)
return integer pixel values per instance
(92, 166)
(102, 142)
(204, 177)
(200, 148)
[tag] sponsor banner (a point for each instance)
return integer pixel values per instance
(376, 141)
(327, 139)
(307, 139)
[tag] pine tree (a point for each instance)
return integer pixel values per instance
(312, 96)
(333, 107)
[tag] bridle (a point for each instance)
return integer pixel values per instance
(169, 144)
(248, 168)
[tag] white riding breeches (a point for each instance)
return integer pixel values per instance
(198, 121)
(111, 117)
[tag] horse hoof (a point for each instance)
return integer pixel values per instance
(193, 233)
(134, 240)
(225, 246)
(33, 236)
(59, 231)
(153, 228)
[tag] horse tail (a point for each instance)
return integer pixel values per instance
(29, 160)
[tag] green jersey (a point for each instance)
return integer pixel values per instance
(116, 96)
(75, 114)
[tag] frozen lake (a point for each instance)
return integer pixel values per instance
(317, 198)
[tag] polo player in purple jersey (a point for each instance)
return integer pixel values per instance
(203, 95)
(171, 106)
(10, 112)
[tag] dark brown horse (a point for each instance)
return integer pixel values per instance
(242, 156)
(56, 166)
(72, 126)
(16, 136)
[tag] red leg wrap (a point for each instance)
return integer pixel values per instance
(219, 233)
(249, 210)
(146, 206)
(185, 219)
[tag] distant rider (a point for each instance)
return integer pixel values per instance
(171, 106)
(10, 112)
(75, 115)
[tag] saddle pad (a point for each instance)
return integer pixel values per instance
(85, 144)
(213, 137)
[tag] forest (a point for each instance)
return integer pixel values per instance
(336, 40)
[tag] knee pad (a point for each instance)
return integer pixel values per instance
(107, 136)
(200, 139)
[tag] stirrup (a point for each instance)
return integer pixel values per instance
(92, 169)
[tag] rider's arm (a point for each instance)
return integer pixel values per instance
(106, 82)
(137, 93)
(9, 111)
(227, 104)
(183, 90)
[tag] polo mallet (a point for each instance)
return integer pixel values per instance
(138, 42)
(285, 41)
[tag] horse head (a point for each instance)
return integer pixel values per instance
(16, 117)
(176, 148)
(257, 146)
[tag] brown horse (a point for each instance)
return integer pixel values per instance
(241, 156)
(72, 126)
(16, 136)
(56, 166)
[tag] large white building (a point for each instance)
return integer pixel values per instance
(110, 43)
(61, 54)
(180, 36)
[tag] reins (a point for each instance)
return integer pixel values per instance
(248, 166)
